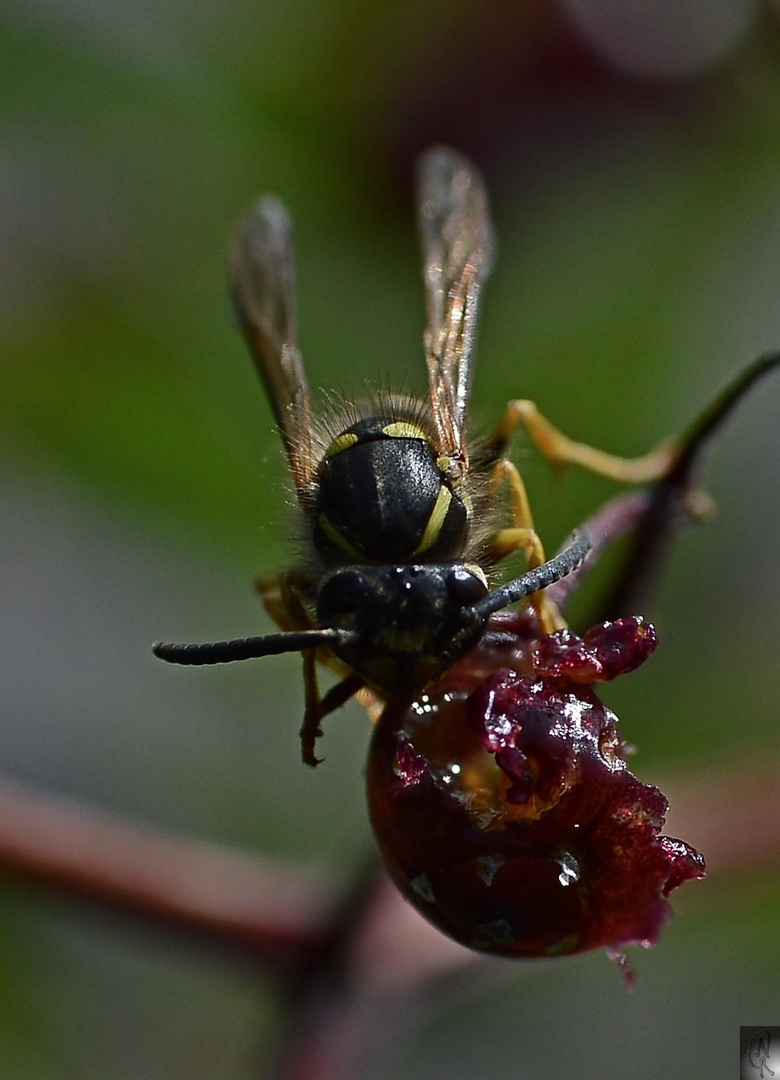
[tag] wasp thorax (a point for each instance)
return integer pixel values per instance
(385, 495)
(410, 622)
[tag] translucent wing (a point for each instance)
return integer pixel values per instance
(457, 246)
(260, 267)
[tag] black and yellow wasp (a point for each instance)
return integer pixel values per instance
(403, 516)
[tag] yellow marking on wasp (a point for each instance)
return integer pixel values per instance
(478, 572)
(436, 520)
(335, 536)
(400, 429)
(340, 443)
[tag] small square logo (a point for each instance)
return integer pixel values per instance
(759, 1053)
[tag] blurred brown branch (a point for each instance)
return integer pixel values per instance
(351, 962)
(273, 909)
(281, 913)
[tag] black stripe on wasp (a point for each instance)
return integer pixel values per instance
(405, 518)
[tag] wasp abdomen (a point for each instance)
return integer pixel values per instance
(384, 496)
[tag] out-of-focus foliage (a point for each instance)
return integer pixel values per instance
(636, 188)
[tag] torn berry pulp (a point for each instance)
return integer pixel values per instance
(504, 807)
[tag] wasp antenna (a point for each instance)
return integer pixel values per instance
(225, 652)
(566, 561)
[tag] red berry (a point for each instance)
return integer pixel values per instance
(504, 807)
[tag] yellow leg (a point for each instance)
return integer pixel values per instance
(560, 450)
(372, 702)
(522, 536)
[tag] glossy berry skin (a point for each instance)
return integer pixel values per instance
(504, 807)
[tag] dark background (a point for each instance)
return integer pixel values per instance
(633, 156)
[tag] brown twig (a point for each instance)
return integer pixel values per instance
(284, 914)
(273, 910)
(674, 498)
(352, 965)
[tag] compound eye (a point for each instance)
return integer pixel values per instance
(340, 592)
(465, 586)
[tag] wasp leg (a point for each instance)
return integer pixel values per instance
(522, 536)
(318, 707)
(560, 450)
(371, 701)
(310, 729)
(281, 597)
(283, 604)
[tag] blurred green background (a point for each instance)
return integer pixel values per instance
(633, 157)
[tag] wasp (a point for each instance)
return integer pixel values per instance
(406, 520)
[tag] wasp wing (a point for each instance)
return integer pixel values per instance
(457, 246)
(261, 275)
